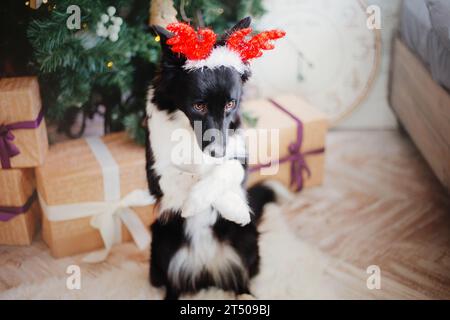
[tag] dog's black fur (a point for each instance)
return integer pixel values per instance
(176, 89)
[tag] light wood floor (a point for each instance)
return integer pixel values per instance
(380, 205)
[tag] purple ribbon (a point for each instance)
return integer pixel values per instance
(7, 213)
(295, 157)
(7, 148)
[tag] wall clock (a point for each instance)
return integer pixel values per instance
(329, 55)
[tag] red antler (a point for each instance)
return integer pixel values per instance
(194, 45)
(252, 48)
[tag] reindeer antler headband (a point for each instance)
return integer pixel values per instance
(198, 47)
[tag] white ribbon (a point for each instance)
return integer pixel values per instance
(107, 215)
(107, 218)
(109, 166)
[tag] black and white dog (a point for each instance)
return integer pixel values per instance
(206, 231)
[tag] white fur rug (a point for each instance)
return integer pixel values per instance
(290, 269)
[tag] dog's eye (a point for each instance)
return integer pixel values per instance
(230, 105)
(200, 107)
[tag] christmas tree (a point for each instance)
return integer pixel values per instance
(110, 57)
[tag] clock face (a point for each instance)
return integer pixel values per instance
(329, 55)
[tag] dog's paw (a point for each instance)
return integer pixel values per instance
(231, 173)
(224, 179)
(233, 208)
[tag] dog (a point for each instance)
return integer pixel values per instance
(206, 232)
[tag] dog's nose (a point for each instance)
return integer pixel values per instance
(215, 150)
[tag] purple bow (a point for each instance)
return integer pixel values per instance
(7, 213)
(295, 157)
(7, 148)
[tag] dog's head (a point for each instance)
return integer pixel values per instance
(202, 75)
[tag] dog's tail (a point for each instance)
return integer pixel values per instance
(266, 192)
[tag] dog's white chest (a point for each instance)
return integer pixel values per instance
(175, 182)
(175, 185)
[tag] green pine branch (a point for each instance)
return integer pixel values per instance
(79, 69)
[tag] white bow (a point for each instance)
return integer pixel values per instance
(107, 217)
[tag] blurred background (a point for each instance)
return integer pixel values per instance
(337, 63)
(332, 61)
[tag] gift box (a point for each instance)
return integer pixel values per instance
(288, 142)
(94, 194)
(19, 208)
(23, 134)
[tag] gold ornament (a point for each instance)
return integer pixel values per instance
(34, 4)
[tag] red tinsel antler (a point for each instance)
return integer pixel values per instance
(252, 48)
(193, 45)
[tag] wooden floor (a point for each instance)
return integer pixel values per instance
(380, 205)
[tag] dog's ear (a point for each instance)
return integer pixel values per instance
(246, 75)
(168, 56)
(244, 23)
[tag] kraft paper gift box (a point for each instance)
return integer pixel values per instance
(94, 194)
(23, 134)
(19, 207)
(296, 155)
